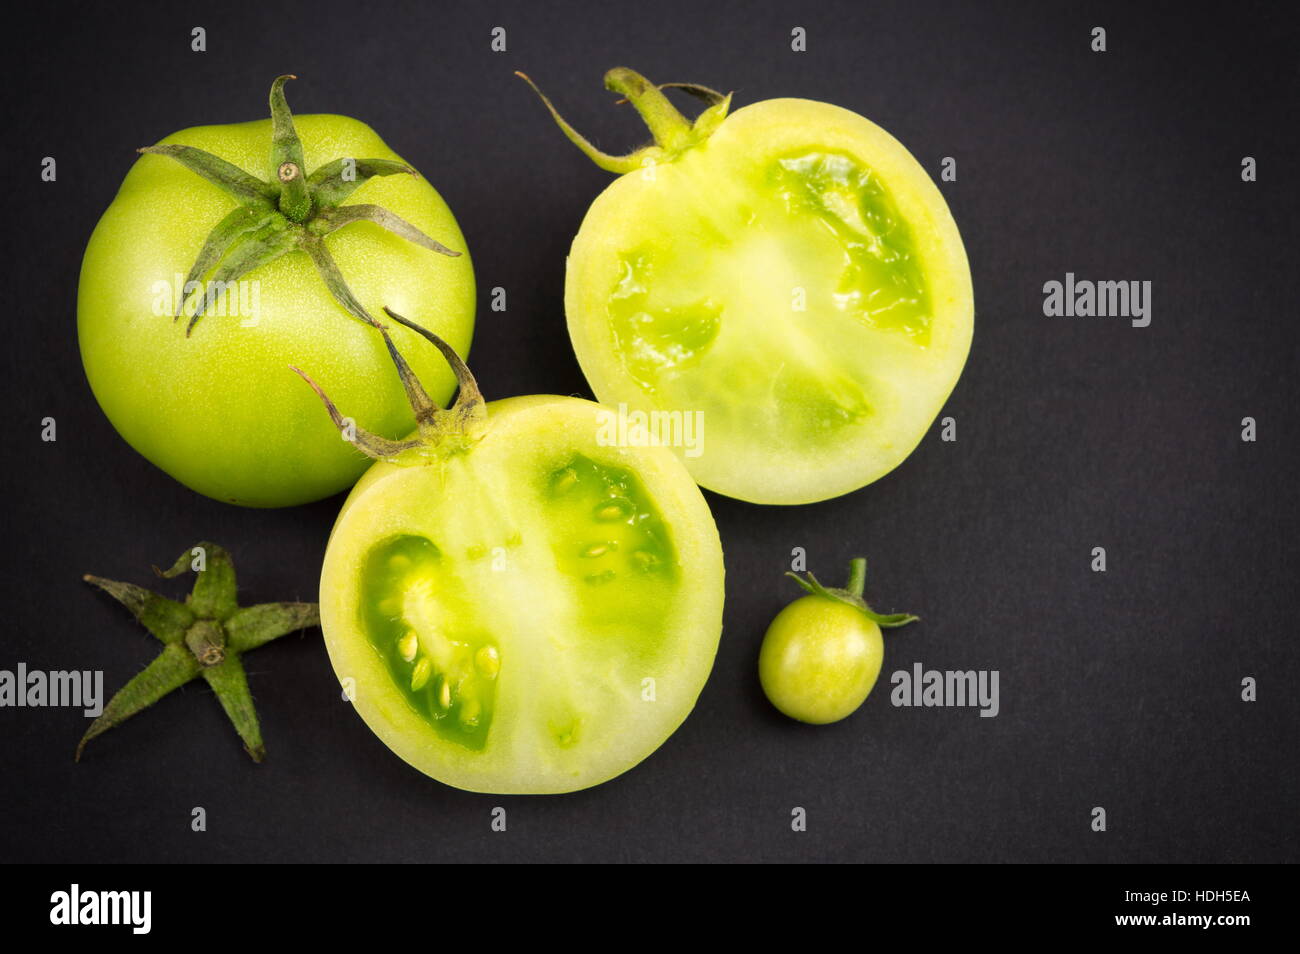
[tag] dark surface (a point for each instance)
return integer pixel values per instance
(1119, 689)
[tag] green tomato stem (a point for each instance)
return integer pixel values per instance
(287, 157)
(670, 128)
(207, 642)
(852, 595)
(857, 576)
(673, 133)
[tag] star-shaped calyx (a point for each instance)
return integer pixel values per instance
(293, 213)
(204, 636)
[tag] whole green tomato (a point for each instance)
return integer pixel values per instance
(788, 274)
(214, 270)
(516, 604)
(822, 654)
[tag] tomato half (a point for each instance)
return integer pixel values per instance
(788, 272)
(519, 605)
(214, 404)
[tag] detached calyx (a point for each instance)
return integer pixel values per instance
(204, 636)
(293, 213)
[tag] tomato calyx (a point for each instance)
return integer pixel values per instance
(851, 594)
(204, 636)
(673, 133)
(293, 213)
(439, 431)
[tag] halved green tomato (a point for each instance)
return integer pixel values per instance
(790, 274)
(520, 606)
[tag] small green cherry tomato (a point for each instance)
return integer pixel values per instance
(822, 654)
(233, 251)
(519, 606)
(789, 274)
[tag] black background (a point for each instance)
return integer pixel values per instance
(1119, 689)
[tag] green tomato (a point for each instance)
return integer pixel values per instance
(819, 660)
(822, 654)
(517, 606)
(211, 400)
(789, 273)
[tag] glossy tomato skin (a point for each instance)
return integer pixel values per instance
(220, 411)
(567, 593)
(797, 279)
(819, 660)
